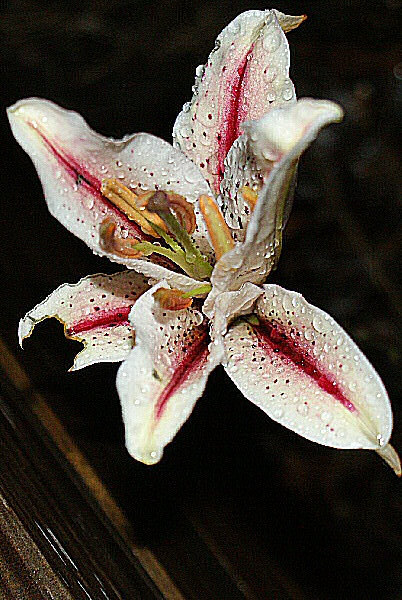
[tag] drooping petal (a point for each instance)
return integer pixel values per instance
(93, 311)
(280, 138)
(247, 73)
(72, 161)
(164, 375)
(296, 363)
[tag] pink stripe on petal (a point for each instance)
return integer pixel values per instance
(85, 180)
(101, 318)
(300, 367)
(95, 311)
(191, 362)
(273, 339)
(234, 112)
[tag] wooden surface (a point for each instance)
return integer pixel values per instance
(239, 507)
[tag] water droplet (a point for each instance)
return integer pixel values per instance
(309, 334)
(318, 324)
(185, 131)
(287, 303)
(89, 202)
(326, 416)
(272, 42)
(287, 93)
(303, 409)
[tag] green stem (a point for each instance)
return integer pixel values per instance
(165, 236)
(180, 234)
(199, 291)
(196, 271)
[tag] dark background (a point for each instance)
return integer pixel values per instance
(285, 518)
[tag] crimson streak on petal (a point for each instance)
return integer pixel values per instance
(272, 337)
(234, 111)
(101, 318)
(194, 355)
(82, 177)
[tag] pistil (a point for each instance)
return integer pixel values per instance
(161, 214)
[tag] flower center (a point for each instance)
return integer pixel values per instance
(160, 214)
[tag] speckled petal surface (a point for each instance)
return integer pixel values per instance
(280, 137)
(72, 160)
(164, 374)
(246, 74)
(297, 364)
(93, 311)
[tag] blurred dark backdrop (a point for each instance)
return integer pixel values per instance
(272, 506)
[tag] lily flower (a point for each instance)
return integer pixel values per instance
(199, 227)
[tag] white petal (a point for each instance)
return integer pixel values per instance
(224, 307)
(305, 372)
(281, 136)
(72, 160)
(93, 311)
(247, 72)
(163, 376)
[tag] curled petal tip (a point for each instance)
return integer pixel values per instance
(25, 328)
(389, 454)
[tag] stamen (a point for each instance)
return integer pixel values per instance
(131, 205)
(219, 232)
(171, 299)
(250, 196)
(198, 292)
(164, 201)
(153, 211)
(115, 244)
(160, 202)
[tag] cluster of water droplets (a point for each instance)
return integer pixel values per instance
(267, 374)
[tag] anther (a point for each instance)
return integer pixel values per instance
(171, 299)
(162, 203)
(115, 244)
(219, 232)
(131, 205)
(250, 196)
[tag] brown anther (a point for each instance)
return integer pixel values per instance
(161, 201)
(115, 244)
(183, 210)
(158, 201)
(169, 299)
(250, 196)
(131, 205)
